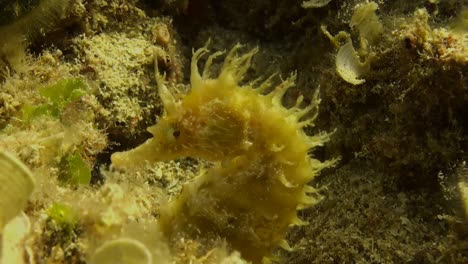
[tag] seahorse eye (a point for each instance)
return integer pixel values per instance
(176, 133)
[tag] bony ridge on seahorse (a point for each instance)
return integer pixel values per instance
(251, 195)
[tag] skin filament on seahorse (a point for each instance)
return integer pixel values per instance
(251, 195)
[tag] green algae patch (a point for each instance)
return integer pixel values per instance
(62, 214)
(74, 170)
(64, 91)
(62, 221)
(31, 112)
(58, 96)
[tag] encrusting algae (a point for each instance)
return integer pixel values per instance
(262, 168)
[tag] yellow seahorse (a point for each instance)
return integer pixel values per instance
(252, 194)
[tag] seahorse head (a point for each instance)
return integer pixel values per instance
(211, 121)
